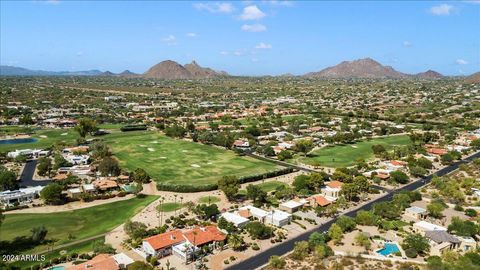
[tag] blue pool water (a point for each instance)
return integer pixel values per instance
(57, 268)
(388, 248)
(15, 141)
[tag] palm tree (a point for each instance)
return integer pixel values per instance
(175, 213)
(160, 210)
(235, 241)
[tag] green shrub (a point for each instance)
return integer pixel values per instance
(411, 253)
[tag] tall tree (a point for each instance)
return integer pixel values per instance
(86, 126)
(229, 185)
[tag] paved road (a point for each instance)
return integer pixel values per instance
(26, 178)
(262, 258)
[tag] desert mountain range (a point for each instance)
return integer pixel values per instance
(168, 69)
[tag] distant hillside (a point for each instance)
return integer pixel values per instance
(474, 78)
(367, 68)
(429, 74)
(172, 70)
(127, 73)
(18, 71)
(362, 68)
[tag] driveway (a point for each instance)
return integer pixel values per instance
(26, 178)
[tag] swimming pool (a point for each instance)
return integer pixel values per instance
(388, 248)
(57, 268)
(15, 141)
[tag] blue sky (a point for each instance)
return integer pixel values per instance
(242, 38)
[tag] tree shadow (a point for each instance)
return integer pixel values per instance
(19, 244)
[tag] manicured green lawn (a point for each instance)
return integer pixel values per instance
(80, 248)
(271, 185)
(180, 162)
(346, 155)
(45, 138)
(267, 186)
(209, 199)
(169, 207)
(48, 137)
(11, 130)
(81, 223)
(111, 126)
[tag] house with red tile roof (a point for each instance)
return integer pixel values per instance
(318, 200)
(332, 190)
(437, 151)
(105, 184)
(104, 262)
(182, 243)
(200, 236)
(160, 245)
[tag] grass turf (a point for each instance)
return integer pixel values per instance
(45, 138)
(346, 155)
(80, 248)
(48, 137)
(169, 207)
(209, 199)
(180, 162)
(81, 223)
(267, 186)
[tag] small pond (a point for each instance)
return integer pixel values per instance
(17, 141)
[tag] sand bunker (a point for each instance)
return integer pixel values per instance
(163, 157)
(64, 134)
(155, 142)
(150, 149)
(184, 151)
(354, 146)
(43, 136)
(195, 165)
(142, 145)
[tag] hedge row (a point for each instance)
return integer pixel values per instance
(185, 188)
(133, 127)
(210, 187)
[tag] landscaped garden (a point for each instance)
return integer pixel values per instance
(346, 154)
(69, 226)
(179, 162)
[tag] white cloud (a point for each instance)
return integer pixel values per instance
(224, 53)
(238, 53)
(224, 8)
(284, 3)
(473, 2)
(262, 45)
(191, 34)
(461, 62)
(254, 60)
(170, 40)
(252, 13)
(441, 10)
(79, 53)
(254, 27)
(407, 43)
